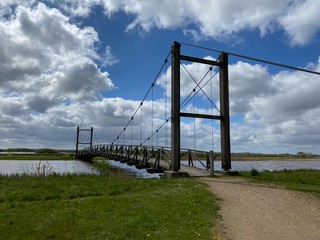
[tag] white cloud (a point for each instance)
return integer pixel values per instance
(42, 51)
(108, 59)
(301, 22)
(282, 113)
(217, 19)
(47, 65)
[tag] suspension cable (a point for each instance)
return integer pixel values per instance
(144, 98)
(155, 132)
(254, 59)
(131, 129)
(196, 82)
(197, 85)
(165, 109)
(212, 129)
(141, 122)
(152, 113)
(187, 100)
(194, 121)
(124, 136)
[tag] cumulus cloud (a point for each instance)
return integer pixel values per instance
(48, 65)
(286, 115)
(218, 19)
(43, 54)
(301, 22)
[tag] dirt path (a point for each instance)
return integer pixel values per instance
(260, 212)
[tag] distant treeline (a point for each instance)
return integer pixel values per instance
(17, 150)
(36, 151)
(285, 155)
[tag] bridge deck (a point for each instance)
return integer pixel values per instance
(194, 172)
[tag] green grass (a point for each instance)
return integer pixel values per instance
(37, 157)
(301, 180)
(104, 207)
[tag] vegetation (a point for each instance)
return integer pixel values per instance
(46, 151)
(17, 150)
(36, 154)
(269, 157)
(37, 157)
(104, 207)
(301, 180)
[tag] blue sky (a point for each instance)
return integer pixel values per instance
(88, 63)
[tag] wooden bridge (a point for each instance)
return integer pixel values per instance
(163, 158)
(153, 159)
(157, 159)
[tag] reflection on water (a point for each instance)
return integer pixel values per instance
(265, 165)
(9, 167)
(139, 173)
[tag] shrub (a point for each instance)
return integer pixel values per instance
(254, 172)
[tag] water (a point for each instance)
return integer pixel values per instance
(9, 167)
(139, 173)
(266, 165)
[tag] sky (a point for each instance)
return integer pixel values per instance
(89, 63)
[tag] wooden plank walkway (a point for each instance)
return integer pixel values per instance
(192, 171)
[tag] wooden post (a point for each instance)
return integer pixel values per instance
(224, 109)
(91, 136)
(175, 107)
(77, 145)
(211, 158)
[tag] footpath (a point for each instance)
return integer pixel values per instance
(262, 212)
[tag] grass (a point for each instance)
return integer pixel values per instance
(37, 157)
(104, 207)
(300, 180)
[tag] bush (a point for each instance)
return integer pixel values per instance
(254, 172)
(46, 151)
(103, 167)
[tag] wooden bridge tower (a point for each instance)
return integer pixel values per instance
(176, 111)
(79, 142)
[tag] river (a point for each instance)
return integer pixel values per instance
(9, 167)
(266, 165)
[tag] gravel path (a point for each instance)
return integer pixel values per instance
(261, 212)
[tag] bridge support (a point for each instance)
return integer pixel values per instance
(79, 130)
(224, 109)
(175, 107)
(176, 111)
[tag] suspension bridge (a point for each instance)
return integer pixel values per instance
(147, 152)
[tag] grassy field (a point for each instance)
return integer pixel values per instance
(301, 180)
(104, 207)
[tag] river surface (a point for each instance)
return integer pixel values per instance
(266, 165)
(9, 167)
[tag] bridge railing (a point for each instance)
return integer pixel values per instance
(153, 156)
